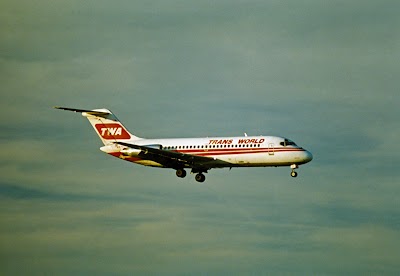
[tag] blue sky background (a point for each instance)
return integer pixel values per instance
(323, 73)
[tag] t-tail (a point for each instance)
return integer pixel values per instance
(106, 124)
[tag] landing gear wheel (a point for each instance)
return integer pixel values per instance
(200, 177)
(293, 167)
(180, 173)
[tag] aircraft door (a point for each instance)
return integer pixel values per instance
(271, 149)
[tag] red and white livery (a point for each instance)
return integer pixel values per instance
(198, 154)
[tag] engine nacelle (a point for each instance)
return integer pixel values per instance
(130, 152)
(154, 146)
(127, 151)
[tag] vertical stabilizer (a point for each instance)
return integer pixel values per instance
(106, 124)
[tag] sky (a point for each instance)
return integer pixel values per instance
(322, 73)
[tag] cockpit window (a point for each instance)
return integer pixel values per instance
(287, 142)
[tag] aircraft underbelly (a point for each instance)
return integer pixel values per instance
(254, 159)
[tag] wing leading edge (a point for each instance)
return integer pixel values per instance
(176, 160)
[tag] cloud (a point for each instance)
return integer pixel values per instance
(378, 247)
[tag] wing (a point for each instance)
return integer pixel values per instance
(176, 160)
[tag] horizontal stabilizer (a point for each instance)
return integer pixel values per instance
(90, 112)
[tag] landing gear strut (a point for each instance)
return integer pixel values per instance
(293, 172)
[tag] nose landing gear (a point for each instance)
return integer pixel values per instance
(293, 173)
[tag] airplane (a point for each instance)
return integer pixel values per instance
(198, 154)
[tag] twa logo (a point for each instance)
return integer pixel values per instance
(112, 131)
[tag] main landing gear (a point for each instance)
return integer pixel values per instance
(180, 173)
(199, 176)
(293, 173)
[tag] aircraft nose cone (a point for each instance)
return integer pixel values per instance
(307, 156)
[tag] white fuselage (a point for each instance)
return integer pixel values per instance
(255, 151)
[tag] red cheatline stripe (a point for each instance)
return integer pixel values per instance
(213, 152)
(237, 151)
